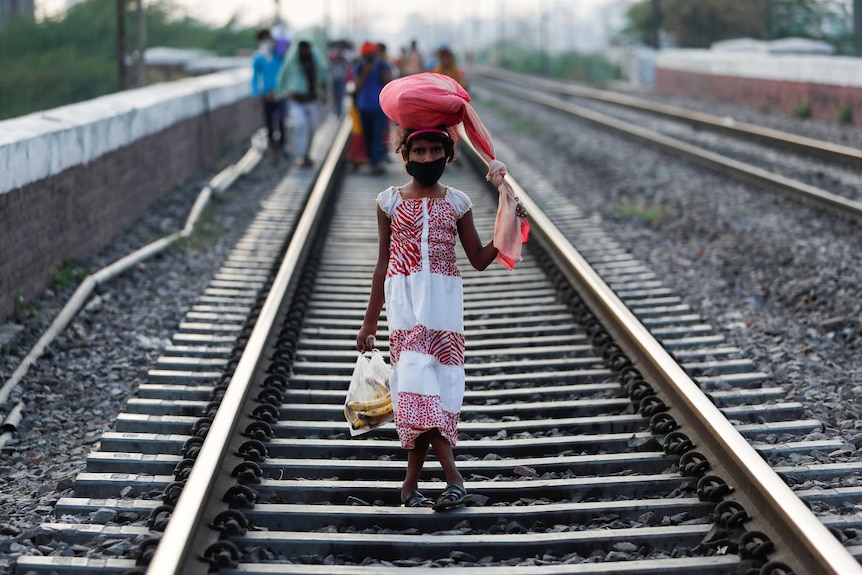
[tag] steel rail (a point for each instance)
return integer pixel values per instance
(711, 160)
(174, 555)
(805, 542)
(821, 148)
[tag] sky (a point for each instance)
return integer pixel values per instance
(381, 19)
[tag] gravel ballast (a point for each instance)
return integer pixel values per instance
(73, 394)
(779, 280)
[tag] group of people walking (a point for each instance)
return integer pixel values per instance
(295, 80)
(291, 79)
(368, 76)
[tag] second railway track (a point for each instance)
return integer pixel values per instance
(570, 470)
(813, 171)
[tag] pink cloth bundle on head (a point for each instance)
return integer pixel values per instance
(429, 100)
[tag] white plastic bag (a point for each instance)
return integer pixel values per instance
(368, 404)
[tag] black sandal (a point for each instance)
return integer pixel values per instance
(416, 499)
(453, 496)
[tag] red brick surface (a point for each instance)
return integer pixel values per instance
(778, 96)
(68, 215)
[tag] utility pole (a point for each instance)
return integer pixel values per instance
(122, 71)
(543, 38)
(655, 24)
(131, 68)
(326, 20)
(140, 66)
(501, 35)
(857, 27)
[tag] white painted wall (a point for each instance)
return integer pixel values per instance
(815, 69)
(45, 143)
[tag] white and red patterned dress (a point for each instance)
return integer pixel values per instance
(425, 313)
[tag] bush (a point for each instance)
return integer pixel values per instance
(844, 114)
(587, 68)
(801, 111)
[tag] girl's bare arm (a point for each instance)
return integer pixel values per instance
(377, 297)
(480, 256)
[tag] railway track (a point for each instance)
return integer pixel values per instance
(585, 446)
(813, 171)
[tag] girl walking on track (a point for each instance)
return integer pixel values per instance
(417, 278)
(417, 225)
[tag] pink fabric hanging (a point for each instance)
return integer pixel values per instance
(429, 100)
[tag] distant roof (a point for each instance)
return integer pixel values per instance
(800, 46)
(739, 45)
(193, 61)
(781, 46)
(163, 56)
(216, 64)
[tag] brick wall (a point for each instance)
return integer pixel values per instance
(776, 95)
(68, 214)
(780, 82)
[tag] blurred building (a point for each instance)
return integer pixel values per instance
(13, 9)
(780, 46)
(164, 64)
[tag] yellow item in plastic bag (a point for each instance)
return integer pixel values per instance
(368, 404)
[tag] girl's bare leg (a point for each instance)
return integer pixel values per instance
(415, 463)
(446, 457)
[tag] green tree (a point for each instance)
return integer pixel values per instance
(819, 19)
(58, 61)
(699, 23)
(74, 58)
(167, 25)
(638, 26)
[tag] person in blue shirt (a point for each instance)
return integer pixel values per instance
(264, 83)
(372, 73)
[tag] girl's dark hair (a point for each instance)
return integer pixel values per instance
(403, 146)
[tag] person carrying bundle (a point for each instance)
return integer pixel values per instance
(417, 277)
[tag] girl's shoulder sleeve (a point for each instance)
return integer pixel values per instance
(460, 201)
(388, 200)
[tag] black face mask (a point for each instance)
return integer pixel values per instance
(427, 173)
